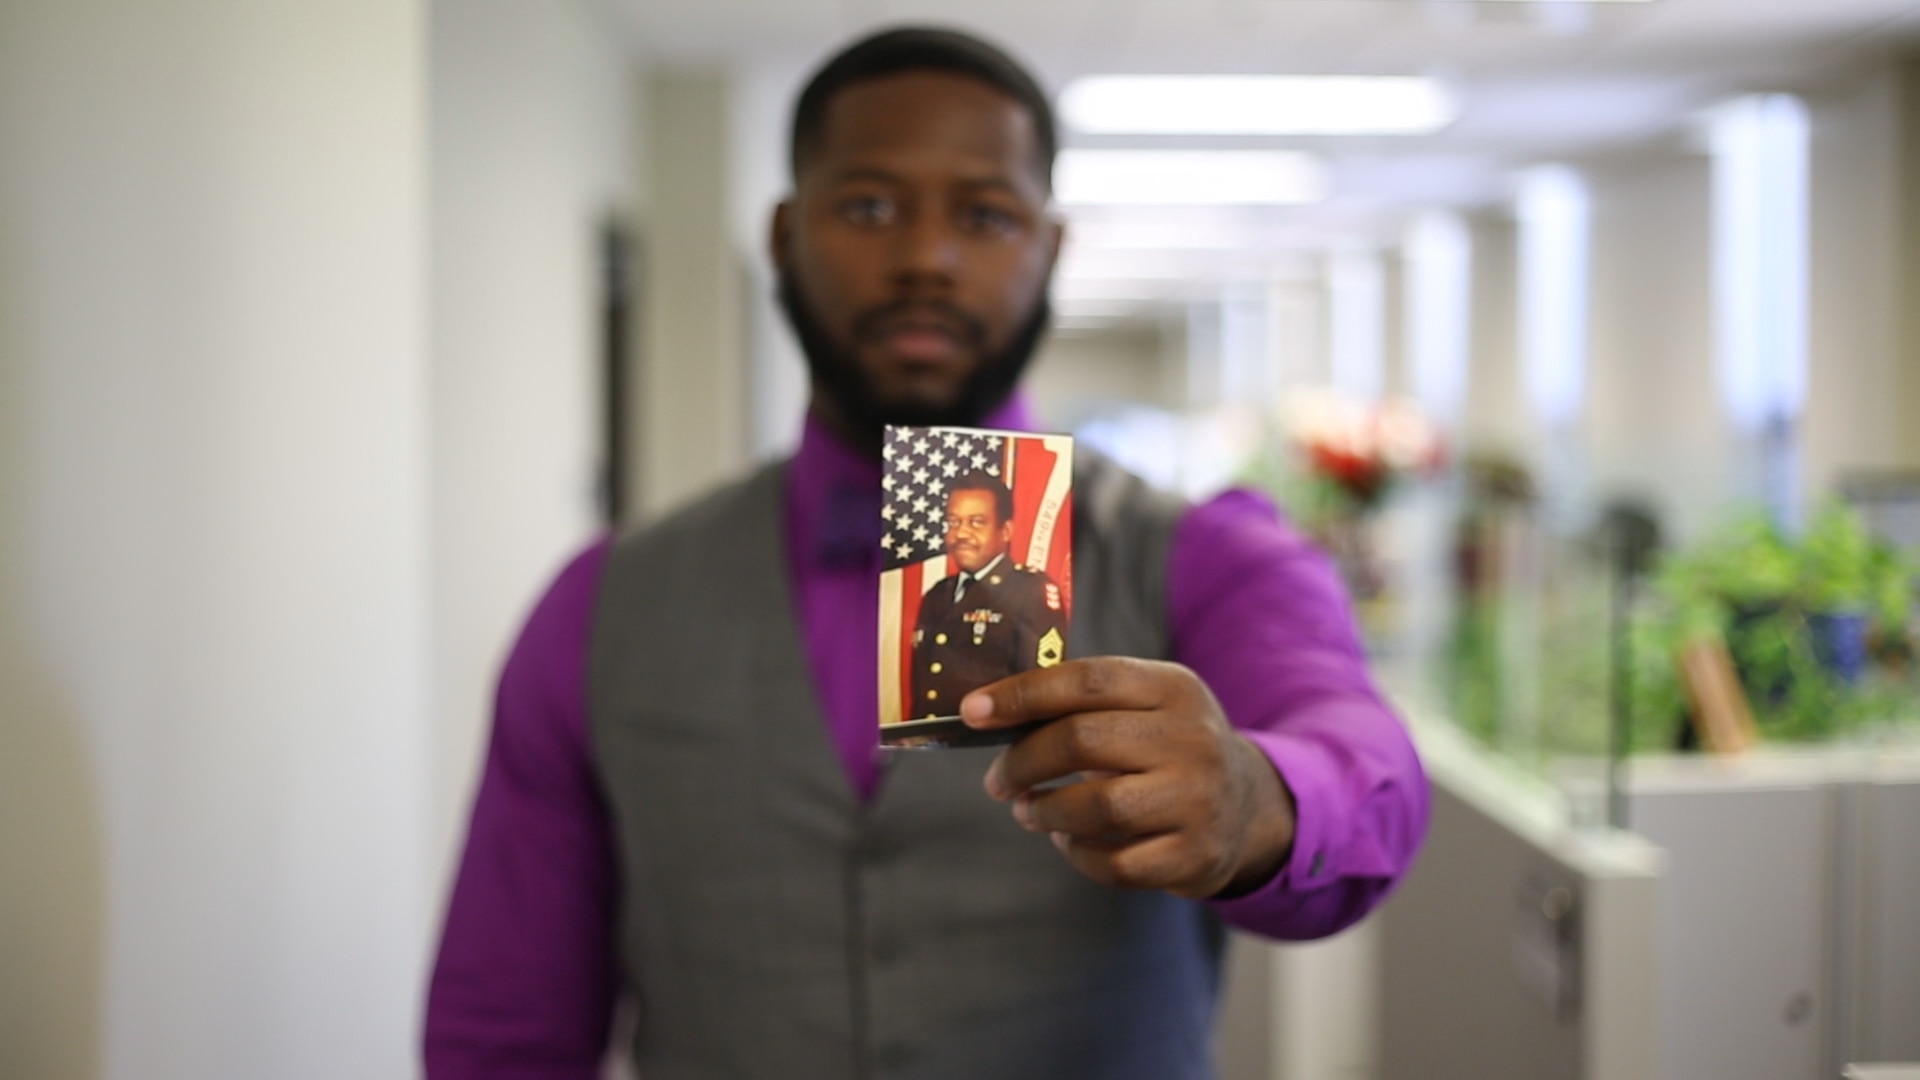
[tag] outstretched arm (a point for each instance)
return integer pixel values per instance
(1262, 770)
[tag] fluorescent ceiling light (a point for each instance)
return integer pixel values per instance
(1257, 105)
(1188, 178)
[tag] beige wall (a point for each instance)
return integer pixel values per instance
(1495, 413)
(1654, 427)
(1857, 410)
(1907, 293)
(534, 145)
(693, 386)
(297, 413)
(761, 109)
(1074, 374)
(213, 538)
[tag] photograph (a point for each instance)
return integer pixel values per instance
(976, 579)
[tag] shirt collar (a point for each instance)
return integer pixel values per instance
(984, 571)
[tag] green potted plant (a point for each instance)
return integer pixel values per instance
(1797, 617)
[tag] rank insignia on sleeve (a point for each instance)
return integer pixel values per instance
(1053, 596)
(1052, 649)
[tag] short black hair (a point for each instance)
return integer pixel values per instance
(919, 48)
(981, 480)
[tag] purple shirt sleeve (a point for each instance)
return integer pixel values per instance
(525, 983)
(1259, 614)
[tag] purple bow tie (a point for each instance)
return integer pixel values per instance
(849, 534)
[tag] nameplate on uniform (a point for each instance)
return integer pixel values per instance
(976, 578)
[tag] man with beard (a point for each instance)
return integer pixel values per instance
(682, 804)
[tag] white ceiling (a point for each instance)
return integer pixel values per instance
(1536, 81)
(1502, 41)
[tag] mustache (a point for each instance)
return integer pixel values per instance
(836, 375)
(876, 322)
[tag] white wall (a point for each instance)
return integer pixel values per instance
(213, 549)
(534, 145)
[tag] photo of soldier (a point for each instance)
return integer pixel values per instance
(992, 618)
(976, 585)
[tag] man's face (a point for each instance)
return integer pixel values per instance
(975, 534)
(915, 252)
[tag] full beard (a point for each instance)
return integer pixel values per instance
(837, 376)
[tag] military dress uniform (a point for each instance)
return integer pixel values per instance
(1008, 620)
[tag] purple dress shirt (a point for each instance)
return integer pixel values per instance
(525, 983)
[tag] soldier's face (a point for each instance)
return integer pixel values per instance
(975, 534)
(915, 252)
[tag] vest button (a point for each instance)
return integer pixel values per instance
(886, 950)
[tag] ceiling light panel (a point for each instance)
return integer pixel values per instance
(1257, 105)
(1189, 178)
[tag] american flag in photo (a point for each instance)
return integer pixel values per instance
(919, 464)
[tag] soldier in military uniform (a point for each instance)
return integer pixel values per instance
(994, 618)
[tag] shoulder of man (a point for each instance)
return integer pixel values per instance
(938, 598)
(690, 528)
(1030, 584)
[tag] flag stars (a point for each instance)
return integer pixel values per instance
(920, 466)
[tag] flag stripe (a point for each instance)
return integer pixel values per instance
(890, 609)
(1052, 542)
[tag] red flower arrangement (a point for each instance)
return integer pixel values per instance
(1363, 451)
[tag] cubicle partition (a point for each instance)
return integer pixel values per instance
(1519, 947)
(1791, 920)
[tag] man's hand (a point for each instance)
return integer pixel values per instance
(1172, 797)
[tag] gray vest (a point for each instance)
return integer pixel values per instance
(772, 925)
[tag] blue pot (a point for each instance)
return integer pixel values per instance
(1840, 643)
